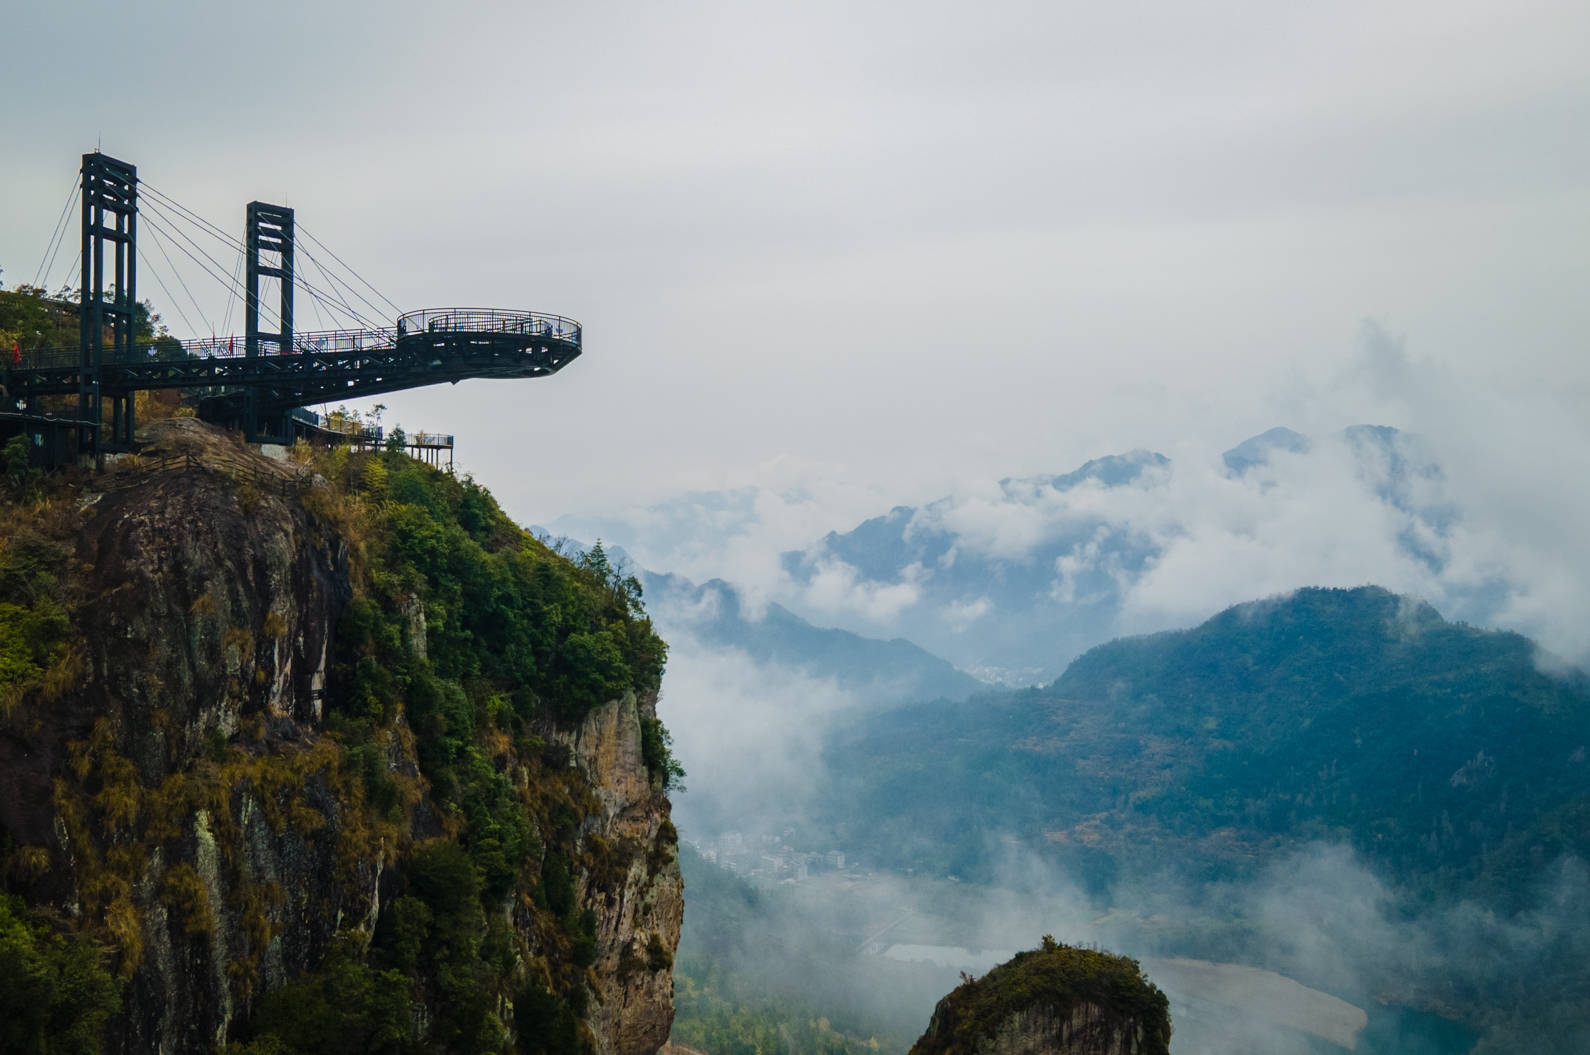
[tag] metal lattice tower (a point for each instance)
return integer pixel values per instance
(110, 193)
(269, 230)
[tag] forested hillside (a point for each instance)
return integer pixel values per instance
(1445, 753)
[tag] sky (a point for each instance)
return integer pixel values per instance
(874, 253)
(895, 247)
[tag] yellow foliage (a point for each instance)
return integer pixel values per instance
(28, 863)
(121, 919)
(235, 638)
(184, 894)
(64, 671)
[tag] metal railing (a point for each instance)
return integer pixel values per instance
(341, 425)
(434, 321)
(230, 347)
(488, 320)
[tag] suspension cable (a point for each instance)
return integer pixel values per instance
(172, 227)
(340, 287)
(332, 298)
(193, 217)
(169, 263)
(158, 223)
(237, 280)
(57, 236)
(314, 303)
(169, 210)
(166, 225)
(149, 267)
(355, 274)
(77, 258)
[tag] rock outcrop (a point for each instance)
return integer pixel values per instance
(639, 916)
(1054, 1000)
(189, 800)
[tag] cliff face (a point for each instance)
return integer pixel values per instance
(1055, 1000)
(637, 917)
(224, 792)
(1083, 1029)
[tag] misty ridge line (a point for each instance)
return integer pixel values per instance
(1045, 567)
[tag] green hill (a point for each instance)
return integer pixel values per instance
(1443, 753)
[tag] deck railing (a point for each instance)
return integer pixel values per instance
(433, 321)
(488, 320)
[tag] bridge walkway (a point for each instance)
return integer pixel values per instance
(424, 347)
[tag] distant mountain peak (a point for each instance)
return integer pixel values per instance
(1256, 450)
(1112, 470)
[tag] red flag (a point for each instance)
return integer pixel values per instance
(229, 348)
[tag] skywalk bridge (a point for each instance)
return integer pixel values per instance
(257, 379)
(428, 347)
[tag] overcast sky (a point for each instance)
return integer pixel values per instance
(898, 245)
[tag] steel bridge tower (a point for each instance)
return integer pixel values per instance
(110, 228)
(268, 237)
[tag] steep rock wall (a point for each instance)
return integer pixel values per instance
(182, 803)
(639, 910)
(1083, 1029)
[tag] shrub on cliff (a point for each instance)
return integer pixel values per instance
(502, 613)
(1061, 979)
(54, 994)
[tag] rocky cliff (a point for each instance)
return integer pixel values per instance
(326, 754)
(1054, 1000)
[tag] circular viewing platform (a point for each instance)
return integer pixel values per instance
(528, 324)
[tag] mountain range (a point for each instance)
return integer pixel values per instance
(1012, 581)
(1442, 753)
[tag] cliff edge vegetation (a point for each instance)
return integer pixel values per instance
(326, 754)
(1053, 1000)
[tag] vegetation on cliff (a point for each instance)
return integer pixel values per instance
(56, 994)
(516, 637)
(1060, 980)
(464, 656)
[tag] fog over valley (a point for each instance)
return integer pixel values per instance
(1061, 481)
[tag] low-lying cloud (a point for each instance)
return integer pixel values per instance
(1474, 506)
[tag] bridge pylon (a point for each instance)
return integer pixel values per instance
(268, 240)
(110, 228)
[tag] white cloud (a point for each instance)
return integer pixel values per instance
(962, 614)
(836, 587)
(748, 734)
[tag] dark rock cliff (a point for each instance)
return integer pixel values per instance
(188, 786)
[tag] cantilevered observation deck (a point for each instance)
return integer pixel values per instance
(255, 380)
(435, 346)
(424, 348)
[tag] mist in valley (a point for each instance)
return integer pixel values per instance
(1315, 952)
(1318, 953)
